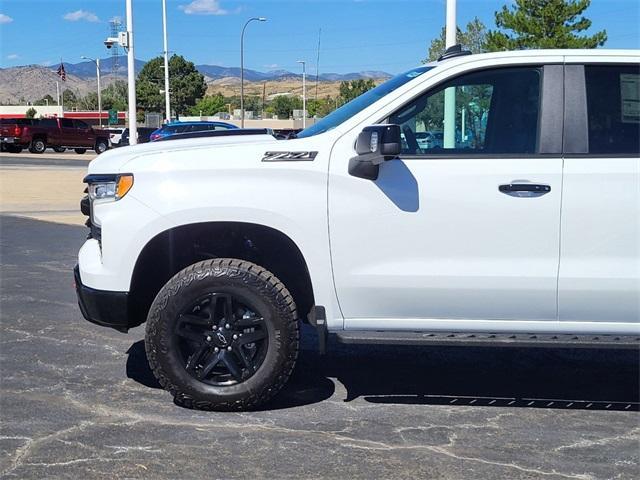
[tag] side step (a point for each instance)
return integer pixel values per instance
(489, 339)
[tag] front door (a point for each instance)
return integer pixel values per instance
(464, 225)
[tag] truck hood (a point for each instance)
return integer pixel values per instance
(114, 161)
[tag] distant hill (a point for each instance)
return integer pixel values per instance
(32, 82)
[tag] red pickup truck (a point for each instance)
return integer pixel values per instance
(56, 133)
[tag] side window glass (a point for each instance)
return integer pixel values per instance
(66, 123)
(493, 111)
(613, 106)
(80, 124)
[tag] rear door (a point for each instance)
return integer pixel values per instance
(599, 276)
(84, 135)
(68, 136)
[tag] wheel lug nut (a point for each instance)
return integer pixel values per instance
(215, 327)
(216, 349)
(208, 338)
(229, 348)
(227, 326)
(235, 337)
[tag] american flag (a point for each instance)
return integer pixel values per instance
(61, 72)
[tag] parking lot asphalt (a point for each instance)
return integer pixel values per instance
(79, 401)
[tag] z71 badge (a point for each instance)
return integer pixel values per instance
(289, 156)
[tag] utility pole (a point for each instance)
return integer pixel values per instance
(131, 77)
(166, 63)
(97, 62)
(304, 93)
(258, 19)
(450, 93)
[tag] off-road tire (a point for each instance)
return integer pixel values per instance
(80, 151)
(38, 145)
(229, 275)
(101, 146)
(59, 149)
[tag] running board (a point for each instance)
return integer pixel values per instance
(489, 339)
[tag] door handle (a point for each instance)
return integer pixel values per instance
(524, 189)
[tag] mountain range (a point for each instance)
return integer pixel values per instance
(87, 70)
(30, 83)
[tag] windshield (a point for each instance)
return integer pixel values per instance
(358, 104)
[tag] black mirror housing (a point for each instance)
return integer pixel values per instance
(375, 144)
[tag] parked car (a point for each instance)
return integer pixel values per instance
(429, 139)
(115, 134)
(144, 134)
(527, 236)
(189, 127)
(56, 133)
(8, 136)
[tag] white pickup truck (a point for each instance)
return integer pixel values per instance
(519, 226)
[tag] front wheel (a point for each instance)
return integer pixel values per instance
(101, 146)
(80, 151)
(222, 335)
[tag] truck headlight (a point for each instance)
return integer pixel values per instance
(106, 188)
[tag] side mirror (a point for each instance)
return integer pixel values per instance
(375, 144)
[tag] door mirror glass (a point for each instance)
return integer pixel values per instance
(374, 145)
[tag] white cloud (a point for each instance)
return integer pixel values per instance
(13, 56)
(271, 65)
(5, 18)
(46, 63)
(81, 15)
(204, 7)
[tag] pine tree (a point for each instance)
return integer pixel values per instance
(543, 24)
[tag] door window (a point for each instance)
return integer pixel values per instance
(494, 111)
(66, 123)
(613, 106)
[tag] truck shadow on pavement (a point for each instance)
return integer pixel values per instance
(455, 376)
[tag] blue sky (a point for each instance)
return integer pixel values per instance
(389, 35)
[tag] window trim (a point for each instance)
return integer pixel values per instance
(549, 141)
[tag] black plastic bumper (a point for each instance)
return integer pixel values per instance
(102, 307)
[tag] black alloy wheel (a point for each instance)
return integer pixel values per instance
(222, 334)
(222, 339)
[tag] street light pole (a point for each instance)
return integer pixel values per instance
(166, 62)
(259, 19)
(131, 77)
(450, 93)
(97, 62)
(304, 93)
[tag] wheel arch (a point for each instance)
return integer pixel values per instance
(183, 245)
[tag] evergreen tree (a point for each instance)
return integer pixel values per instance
(543, 24)
(473, 38)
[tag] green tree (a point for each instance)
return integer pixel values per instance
(543, 24)
(284, 105)
(46, 100)
(89, 101)
(354, 88)
(69, 98)
(31, 113)
(114, 97)
(187, 85)
(320, 107)
(473, 38)
(209, 105)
